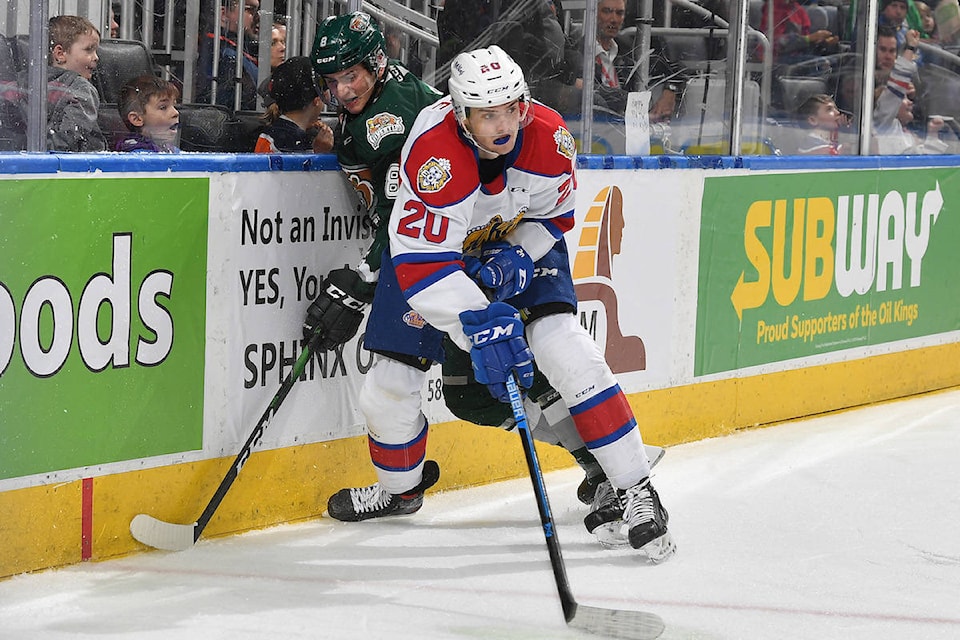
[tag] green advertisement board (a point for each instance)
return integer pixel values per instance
(102, 304)
(795, 265)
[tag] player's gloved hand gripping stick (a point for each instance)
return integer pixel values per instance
(499, 347)
(337, 311)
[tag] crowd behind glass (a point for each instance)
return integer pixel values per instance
(665, 76)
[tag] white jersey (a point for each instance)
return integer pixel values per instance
(442, 210)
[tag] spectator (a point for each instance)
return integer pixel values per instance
(947, 14)
(928, 23)
(893, 13)
(114, 25)
(278, 44)
(894, 110)
(849, 97)
(616, 69)
(393, 45)
(278, 53)
(293, 120)
(820, 115)
(886, 57)
(148, 109)
(902, 16)
(72, 101)
(886, 48)
(792, 40)
(234, 15)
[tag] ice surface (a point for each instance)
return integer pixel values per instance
(845, 526)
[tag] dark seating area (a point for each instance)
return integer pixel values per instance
(694, 41)
(203, 127)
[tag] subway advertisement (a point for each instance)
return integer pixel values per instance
(797, 265)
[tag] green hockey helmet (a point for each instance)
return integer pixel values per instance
(348, 40)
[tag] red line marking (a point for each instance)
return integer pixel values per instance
(86, 519)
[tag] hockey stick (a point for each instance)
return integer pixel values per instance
(177, 537)
(613, 623)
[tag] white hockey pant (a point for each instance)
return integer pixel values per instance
(391, 404)
(574, 365)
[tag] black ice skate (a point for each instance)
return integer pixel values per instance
(605, 519)
(594, 475)
(363, 503)
(645, 521)
(587, 490)
(633, 517)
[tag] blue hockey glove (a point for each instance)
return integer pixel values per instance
(503, 268)
(499, 348)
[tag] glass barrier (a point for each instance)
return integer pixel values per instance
(691, 77)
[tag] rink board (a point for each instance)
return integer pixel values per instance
(717, 295)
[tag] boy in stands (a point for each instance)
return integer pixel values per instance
(822, 119)
(72, 101)
(148, 106)
(487, 175)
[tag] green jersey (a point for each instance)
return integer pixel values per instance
(369, 148)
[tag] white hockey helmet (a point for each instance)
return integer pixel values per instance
(486, 78)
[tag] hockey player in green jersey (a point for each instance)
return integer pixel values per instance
(377, 99)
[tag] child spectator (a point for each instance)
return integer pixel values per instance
(819, 113)
(293, 120)
(72, 101)
(928, 22)
(148, 108)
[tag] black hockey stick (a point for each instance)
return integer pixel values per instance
(177, 537)
(613, 623)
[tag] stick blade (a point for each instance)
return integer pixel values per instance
(162, 535)
(616, 623)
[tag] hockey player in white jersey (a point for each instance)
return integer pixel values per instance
(487, 186)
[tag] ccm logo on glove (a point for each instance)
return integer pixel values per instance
(493, 334)
(336, 293)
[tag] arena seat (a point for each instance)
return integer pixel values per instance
(705, 95)
(205, 127)
(794, 91)
(824, 17)
(10, 63)
(120, 61)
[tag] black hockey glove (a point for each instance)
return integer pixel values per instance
(337, 311)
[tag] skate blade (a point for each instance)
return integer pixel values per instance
(661, 549)
(610, 535)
